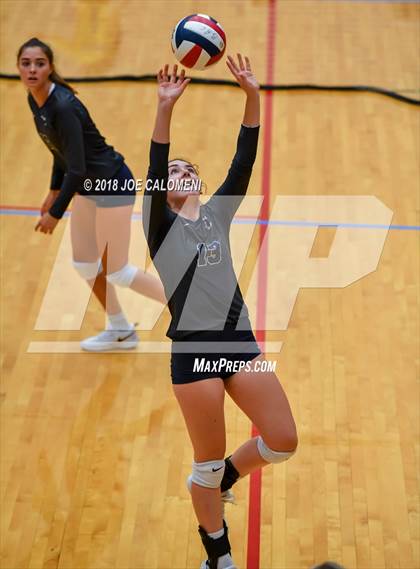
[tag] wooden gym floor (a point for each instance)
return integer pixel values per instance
(94, 452)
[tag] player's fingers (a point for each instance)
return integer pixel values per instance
(233, 63)
(184, 84)
(233, 70)
(165, 72)
(181, 76)
(230, 65)
(174, 70)
(241, 62)
(247, 63)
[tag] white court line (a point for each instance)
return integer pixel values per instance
(52, 347)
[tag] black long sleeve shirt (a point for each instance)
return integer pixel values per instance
(79, 150)
(193, 258)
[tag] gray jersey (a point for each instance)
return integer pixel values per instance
(193, 258)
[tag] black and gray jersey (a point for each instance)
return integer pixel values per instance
(79, 149)
(193, 258)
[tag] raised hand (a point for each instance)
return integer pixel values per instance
(243, 73)
(171, 87)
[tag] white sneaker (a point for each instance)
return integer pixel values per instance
(205, 565)
(111, 340)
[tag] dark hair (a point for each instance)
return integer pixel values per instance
(195, 166)
(328, 565)
(54, 76)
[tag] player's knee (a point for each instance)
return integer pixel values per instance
(88, 271)
(208, 474)
(278, 429)
(289, 438)
(275, 456)
(283, 436)
(124, 277)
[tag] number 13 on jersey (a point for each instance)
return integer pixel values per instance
(209, 253)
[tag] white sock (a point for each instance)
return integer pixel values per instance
(225, 560)
(216, 534)
(118, 322)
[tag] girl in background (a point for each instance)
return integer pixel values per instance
(80, 153)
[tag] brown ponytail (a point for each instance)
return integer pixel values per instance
(54, 76)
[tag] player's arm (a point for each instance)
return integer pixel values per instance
(248, 83)
(170, 88)
(57, 177)
(70, 132)
(237, 180)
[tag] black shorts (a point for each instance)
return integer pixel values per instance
(212, 353)
(110, 198)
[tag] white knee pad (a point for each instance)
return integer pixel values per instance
(88, 271)
(124, 277)
(272, 456)
(208, 474)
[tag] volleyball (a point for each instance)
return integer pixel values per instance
(198, 41)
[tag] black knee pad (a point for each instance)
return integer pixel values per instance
(230, 475)
(215, 548)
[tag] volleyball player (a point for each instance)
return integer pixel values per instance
(189, 245)
(98, 219)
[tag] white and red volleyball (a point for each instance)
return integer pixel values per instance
(198, 41)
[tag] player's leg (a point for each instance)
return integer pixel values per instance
(86, 254)
(202, 405)
(113, 227)
(262, 398)
(87, 260)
